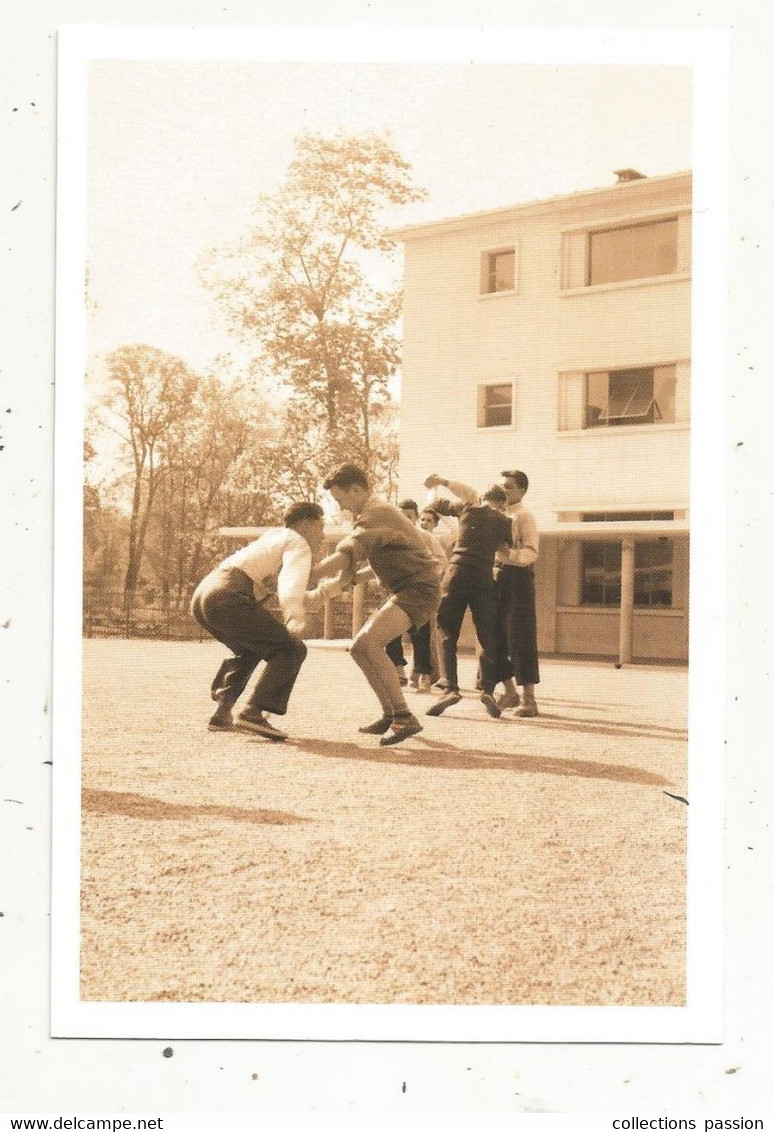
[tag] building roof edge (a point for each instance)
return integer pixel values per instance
(536, 207)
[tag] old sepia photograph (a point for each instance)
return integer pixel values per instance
(380, 423)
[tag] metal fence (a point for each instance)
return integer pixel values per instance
(104, 615)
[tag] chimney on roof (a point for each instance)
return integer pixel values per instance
(625, 175)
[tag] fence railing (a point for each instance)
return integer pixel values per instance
(105, 615)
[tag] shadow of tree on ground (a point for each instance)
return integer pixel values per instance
(110, 803)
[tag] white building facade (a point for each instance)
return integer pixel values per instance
(555, 337)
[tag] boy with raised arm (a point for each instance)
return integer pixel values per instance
(484, 529)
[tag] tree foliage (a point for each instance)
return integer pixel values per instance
(147, 400)
(201, 451)
(186, 455)
(298, 286)
(189, 453)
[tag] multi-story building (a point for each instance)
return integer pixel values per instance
(554, 337)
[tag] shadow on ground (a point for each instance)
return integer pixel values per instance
(109, 803)
(445, 756)
(547, 720)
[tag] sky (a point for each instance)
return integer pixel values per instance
(179, 153)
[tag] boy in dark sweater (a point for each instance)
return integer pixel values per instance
(484, 529)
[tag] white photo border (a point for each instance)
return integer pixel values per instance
(700, 1020)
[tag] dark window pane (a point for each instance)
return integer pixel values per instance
(593, 555)
(601, 573)
(593, 592)
(653, 573)
(501, 273)
(661, 588)
(651, 554)
(498, 416)
(625, 516)
(634, 252)
(630, 396)
(498, 394)
(497, 406)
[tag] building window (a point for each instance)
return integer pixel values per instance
(627, 253)
(630, 397)
(495, 406)
(498, 271)
(645, 395)
(626, 516)
(601, 574)
(635, 251)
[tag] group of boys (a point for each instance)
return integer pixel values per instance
(489, 571)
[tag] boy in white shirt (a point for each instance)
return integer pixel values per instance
(230, 604)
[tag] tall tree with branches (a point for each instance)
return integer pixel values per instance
(148, 396)
(201, 449)
(298, 285)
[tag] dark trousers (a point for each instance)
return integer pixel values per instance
(517, 653)
(394, 651)
(468, 586)
(422, 662)
(224, 604)
(422, 658)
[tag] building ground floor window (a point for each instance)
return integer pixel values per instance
(622, 595)
(653, 573)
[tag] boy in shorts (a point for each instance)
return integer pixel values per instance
(400, 560)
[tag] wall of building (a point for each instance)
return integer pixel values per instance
(657, 635)
(455, 338)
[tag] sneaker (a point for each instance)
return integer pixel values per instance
(527, 711)
(221, 721)
(424, 684)
(508, 699)
(257, 724)
(488, 700)
(402, 728)
(378, 727)
(217, 688)
(449, 700)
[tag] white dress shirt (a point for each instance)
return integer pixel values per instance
(280, 560)
(526, 540)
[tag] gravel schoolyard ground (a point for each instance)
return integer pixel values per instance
(483, 861)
